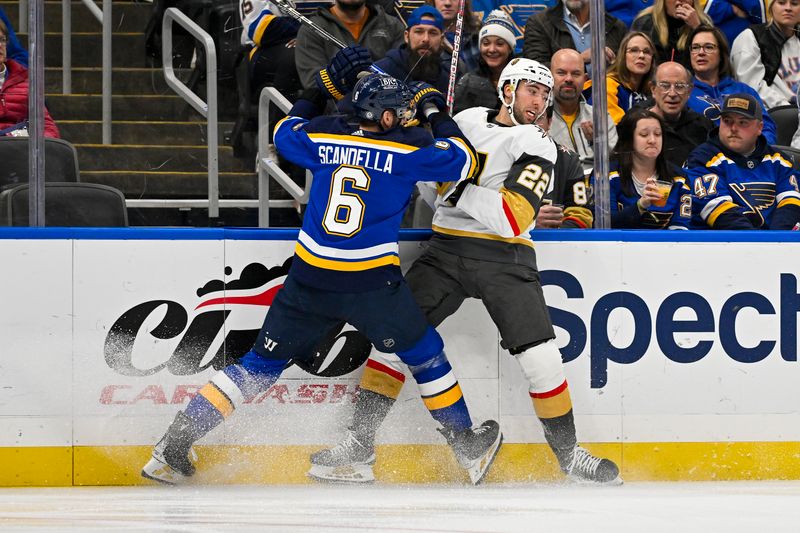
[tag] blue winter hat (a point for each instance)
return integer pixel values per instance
(415, 17)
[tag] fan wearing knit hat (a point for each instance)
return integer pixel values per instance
(478, 88)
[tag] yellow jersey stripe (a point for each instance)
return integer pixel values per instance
(220, 402)
(721, 208)
(262, 27)
(487, 236)
(445, 399)
(472, 155)
(346, 266)
(317, 137)
(789, 201)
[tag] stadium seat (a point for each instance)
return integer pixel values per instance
(786, 122)
(61, 161)
(793, 154)
(67, 204)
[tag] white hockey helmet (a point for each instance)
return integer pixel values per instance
(522, 69)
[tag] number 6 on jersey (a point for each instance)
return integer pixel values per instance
(345, 210)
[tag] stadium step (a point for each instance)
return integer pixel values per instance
(126, 16)
(127, 49)
(164, 158)
(141, 132)
(124, 81)
(123, 107)
(161, 184)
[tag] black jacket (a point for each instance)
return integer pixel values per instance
(682, 136)
(546, 32)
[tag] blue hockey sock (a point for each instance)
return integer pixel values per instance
(234, 384)
(438, 385)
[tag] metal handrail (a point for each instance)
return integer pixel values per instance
(267, 160)
(208, 110)
(104, 17)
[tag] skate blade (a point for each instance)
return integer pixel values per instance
(616, 482)
(479, 468)
(361, 473)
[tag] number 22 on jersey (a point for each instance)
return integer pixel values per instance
(345, 210)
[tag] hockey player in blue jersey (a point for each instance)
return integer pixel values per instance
(346, 265)
(738, 180)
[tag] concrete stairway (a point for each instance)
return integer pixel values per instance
(159, 141)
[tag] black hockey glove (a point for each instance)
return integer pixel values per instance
(425, 93)
(341, 74)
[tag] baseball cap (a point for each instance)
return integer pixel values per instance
(415, 18)
(498, 24)
(742, 104)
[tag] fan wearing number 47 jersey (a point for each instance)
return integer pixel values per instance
(481, 248)
(346, 265)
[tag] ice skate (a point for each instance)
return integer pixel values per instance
(173, 456)
(583, 467)
(476, 448)
(350, 461)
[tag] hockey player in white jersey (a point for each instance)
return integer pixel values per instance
(481, 248)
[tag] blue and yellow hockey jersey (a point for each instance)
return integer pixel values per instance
(731, 191)
(362, 185)
(674, 214)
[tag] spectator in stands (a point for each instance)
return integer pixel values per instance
(713, 77)
(14, 95)
(739, 181)
(734, 16)
(669, 23)
(273, 38)
(14, 49)
(573, 123)
(420, 57)
(568, 201)
(566, 25)
(478, 88)
(767, 56)
(683, 128)
(628, 81)
(646, 191)
(626, 10)
(469, 48)
(352, 22)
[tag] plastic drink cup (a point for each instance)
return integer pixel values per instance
(664, 188)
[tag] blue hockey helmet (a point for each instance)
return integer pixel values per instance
(376, 93)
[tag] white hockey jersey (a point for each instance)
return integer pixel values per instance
(516, 168)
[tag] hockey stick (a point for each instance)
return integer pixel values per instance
(288, 9)
(451, 85)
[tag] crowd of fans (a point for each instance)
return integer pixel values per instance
(689, 87)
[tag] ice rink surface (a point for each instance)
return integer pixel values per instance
(551, 508)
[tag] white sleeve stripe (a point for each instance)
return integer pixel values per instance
(436, 386)
(470, 156)
(363, 253)
(787, 194)
(231, 390)
(713, 204)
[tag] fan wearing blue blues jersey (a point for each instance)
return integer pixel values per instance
(646, 192)
(738, 180)
(346, 265)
